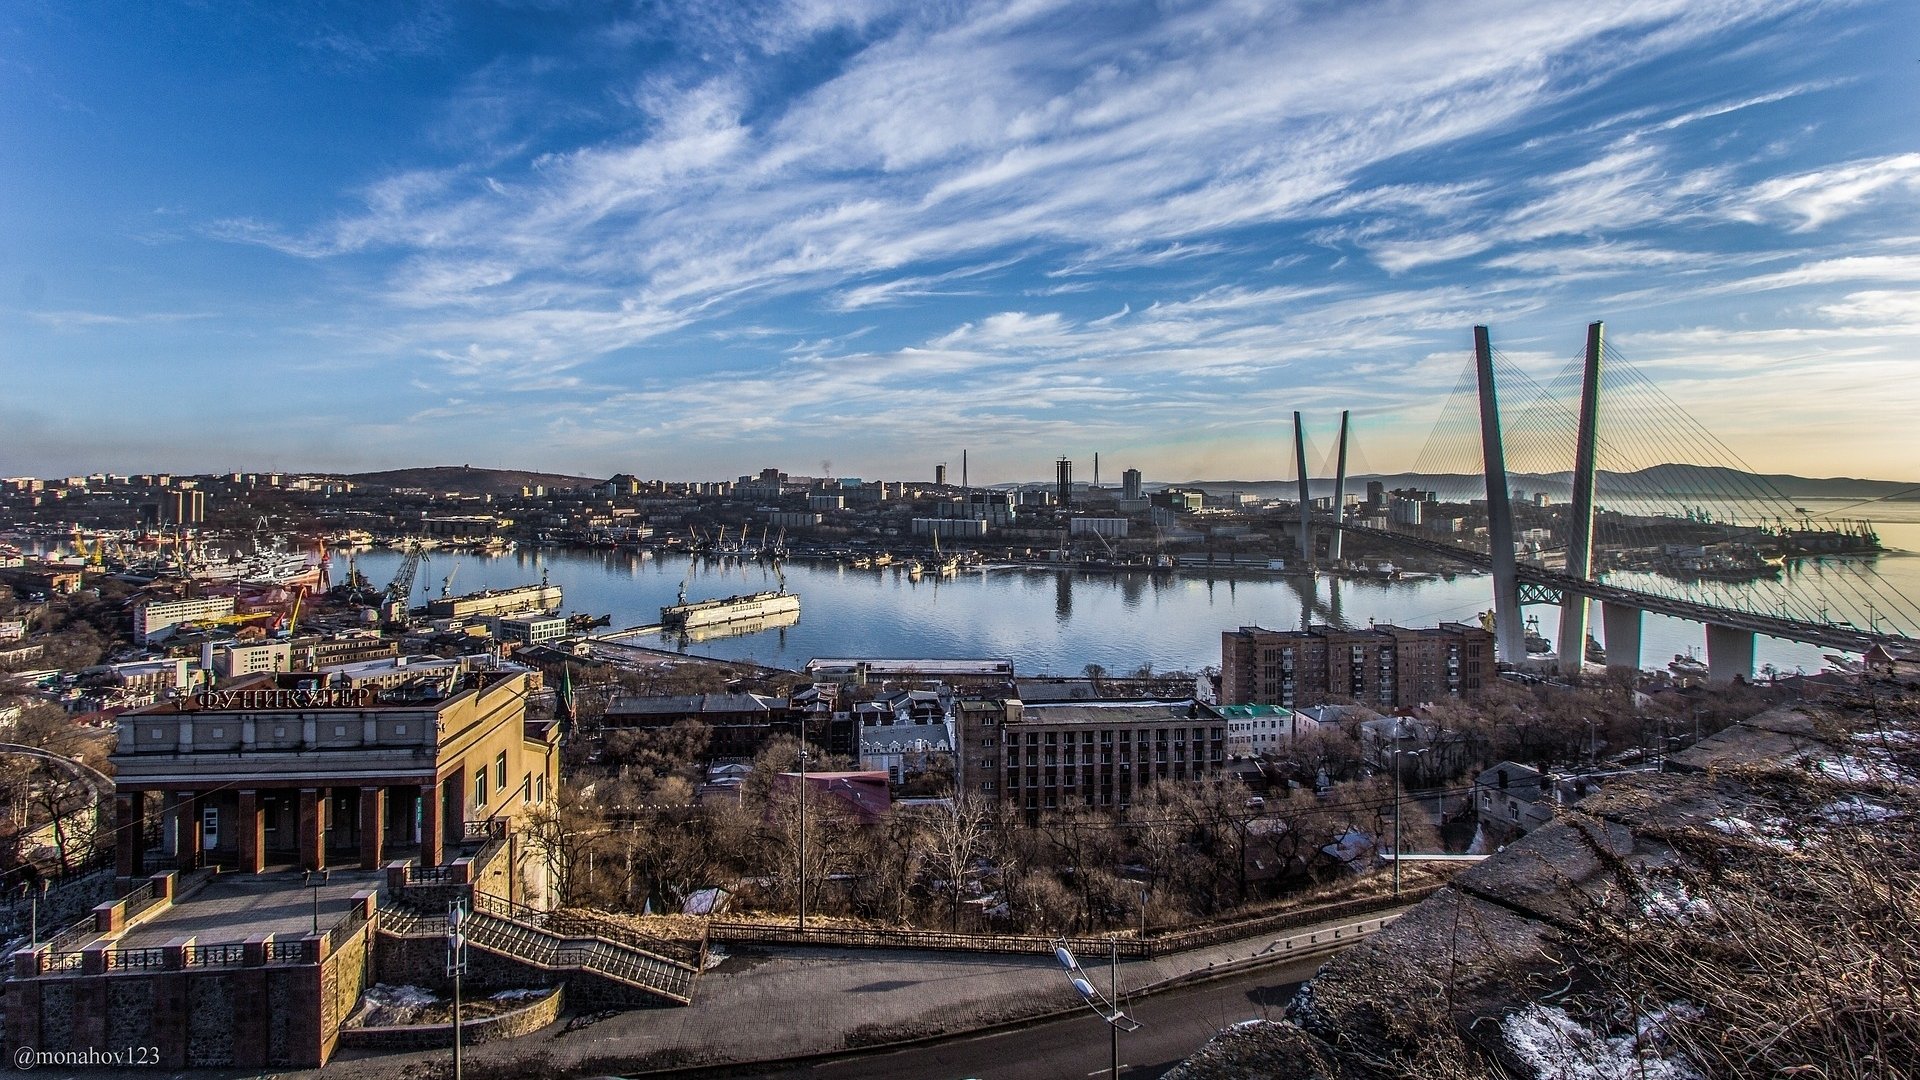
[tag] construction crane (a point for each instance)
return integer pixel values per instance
(400, 589)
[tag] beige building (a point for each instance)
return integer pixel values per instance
(282, 769)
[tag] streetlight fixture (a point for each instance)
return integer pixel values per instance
(1398, 753)
(802, 875)
(456, 967)
(314, 880)
(1105, 1006)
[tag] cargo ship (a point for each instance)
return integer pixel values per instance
(683, 616)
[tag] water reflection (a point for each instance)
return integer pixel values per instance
(1044, 619)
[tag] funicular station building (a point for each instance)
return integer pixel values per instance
(396, 800)
(283, 770)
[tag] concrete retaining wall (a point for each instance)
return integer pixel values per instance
(507, 1025)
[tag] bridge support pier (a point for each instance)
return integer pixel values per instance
(1622, 627)
(1729, 655)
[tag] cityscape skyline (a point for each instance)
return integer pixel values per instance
(691, 243)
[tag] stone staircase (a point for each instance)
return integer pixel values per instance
(670, 980)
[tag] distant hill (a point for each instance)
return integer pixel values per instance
(468, 480)
(1696, 481)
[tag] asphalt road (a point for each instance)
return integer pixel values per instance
(1173, 1026)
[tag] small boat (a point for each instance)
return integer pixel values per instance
(1536, 641)
(1687, 666)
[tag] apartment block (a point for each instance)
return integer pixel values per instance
(1380, 666)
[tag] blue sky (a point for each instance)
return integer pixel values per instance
(691, 239)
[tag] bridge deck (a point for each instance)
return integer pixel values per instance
(1825, 635)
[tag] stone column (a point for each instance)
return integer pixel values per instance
(313, 829)
(373, 804)
(192, 832)
(433, 837)
(130, 834)
(250, 833)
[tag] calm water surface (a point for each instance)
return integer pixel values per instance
(1055, 622)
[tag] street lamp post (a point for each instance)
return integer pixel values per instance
(1398, 753)
(456, 967)
(1106, 1007)
(315, 879)
(1593, 748)
(803, 829)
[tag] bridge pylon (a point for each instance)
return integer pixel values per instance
(1573, 607)
(1339, 493)
(1306, 501)
(1509, 632)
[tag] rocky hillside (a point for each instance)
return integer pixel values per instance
(1752, 914)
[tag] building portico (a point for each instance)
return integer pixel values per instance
(279, 772)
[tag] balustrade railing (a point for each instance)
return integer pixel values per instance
(291, 951)
(228, 955)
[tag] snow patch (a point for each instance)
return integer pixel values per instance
(1555, 1045)
(1769, 833)
(1871, 766)
(1670, 900)
(1854, 810)
(382, 1005)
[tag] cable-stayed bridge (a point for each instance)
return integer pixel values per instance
(1615, 521)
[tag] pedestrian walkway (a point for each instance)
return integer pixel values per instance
(778, 1003)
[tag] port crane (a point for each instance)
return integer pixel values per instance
(400, 589)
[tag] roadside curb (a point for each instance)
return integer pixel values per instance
(1321, 941)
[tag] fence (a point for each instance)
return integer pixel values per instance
(880, 938)
(579, 924)
(1132, 948)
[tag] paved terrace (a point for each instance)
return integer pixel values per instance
(230, 908)
(778, 1003)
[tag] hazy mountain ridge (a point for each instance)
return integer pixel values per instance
(1677, 480)
(468, 480)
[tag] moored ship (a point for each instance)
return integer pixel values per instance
(684, 616)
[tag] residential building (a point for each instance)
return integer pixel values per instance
(740, 724)
(958, 528)
(530, 627)
(1259, 729)
(1035, 758)
(155, 620)
(1382, 665)
(951, 672)
(237, 658)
